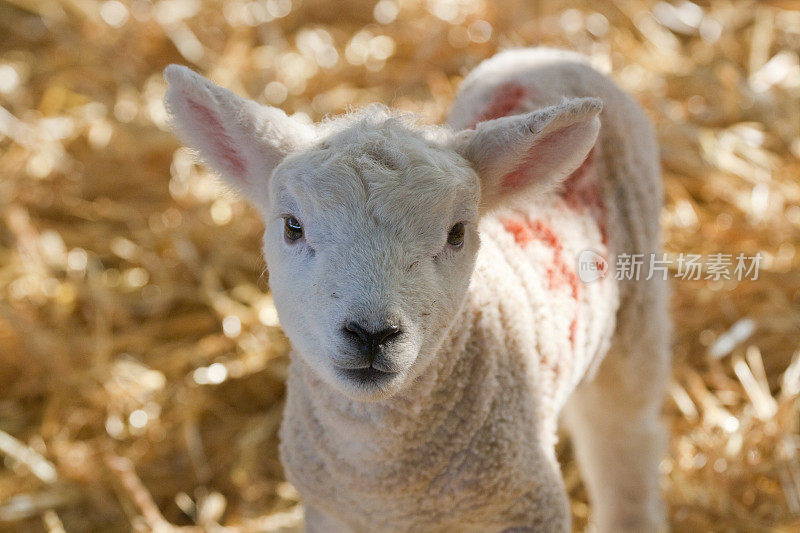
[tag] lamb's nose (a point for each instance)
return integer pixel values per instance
(369, 342)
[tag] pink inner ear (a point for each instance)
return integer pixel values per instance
(543, 157)
(219, 142)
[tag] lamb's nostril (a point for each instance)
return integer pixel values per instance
(352, 329)
(385, 334)
(370, 341)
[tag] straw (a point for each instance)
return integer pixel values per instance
(143, 366)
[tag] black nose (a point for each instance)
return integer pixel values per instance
(369, 342)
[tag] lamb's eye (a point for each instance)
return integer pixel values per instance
(456, 235)
(292, 229)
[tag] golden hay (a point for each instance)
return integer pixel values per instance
(141, 383)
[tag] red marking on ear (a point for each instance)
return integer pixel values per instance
(515, 179)
(224, 146)
(519, 177)
(582, 191)
(505, 100)
(542, 153)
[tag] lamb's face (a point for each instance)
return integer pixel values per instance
(370, 241)
(371, 224)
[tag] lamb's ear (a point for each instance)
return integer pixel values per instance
(536, 150)
(238, 138)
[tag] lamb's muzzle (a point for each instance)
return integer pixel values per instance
(370, 342)
(372, 359)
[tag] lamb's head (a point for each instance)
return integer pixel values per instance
(371, 221)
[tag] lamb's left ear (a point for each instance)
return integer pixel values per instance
(536, 150)
(238, 138)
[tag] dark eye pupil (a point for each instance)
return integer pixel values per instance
(456, 235)
(292, 228)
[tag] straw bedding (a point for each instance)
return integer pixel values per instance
(141, 384)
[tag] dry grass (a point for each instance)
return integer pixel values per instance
(142, 369)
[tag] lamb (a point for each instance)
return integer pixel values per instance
(427, 280)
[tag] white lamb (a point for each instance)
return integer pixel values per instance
(428, 280)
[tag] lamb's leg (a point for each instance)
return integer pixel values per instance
(615, 427)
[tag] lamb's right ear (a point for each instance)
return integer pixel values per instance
(530, 152)
(238, 138)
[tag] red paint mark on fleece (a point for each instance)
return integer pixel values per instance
(573, 329)
(546, 234)
(223, 147)
(582, 191)
(560, 273)
(521, 232)
(505, 100)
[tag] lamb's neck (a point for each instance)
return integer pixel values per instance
(452, 397)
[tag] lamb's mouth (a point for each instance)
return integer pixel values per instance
(366, 375)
